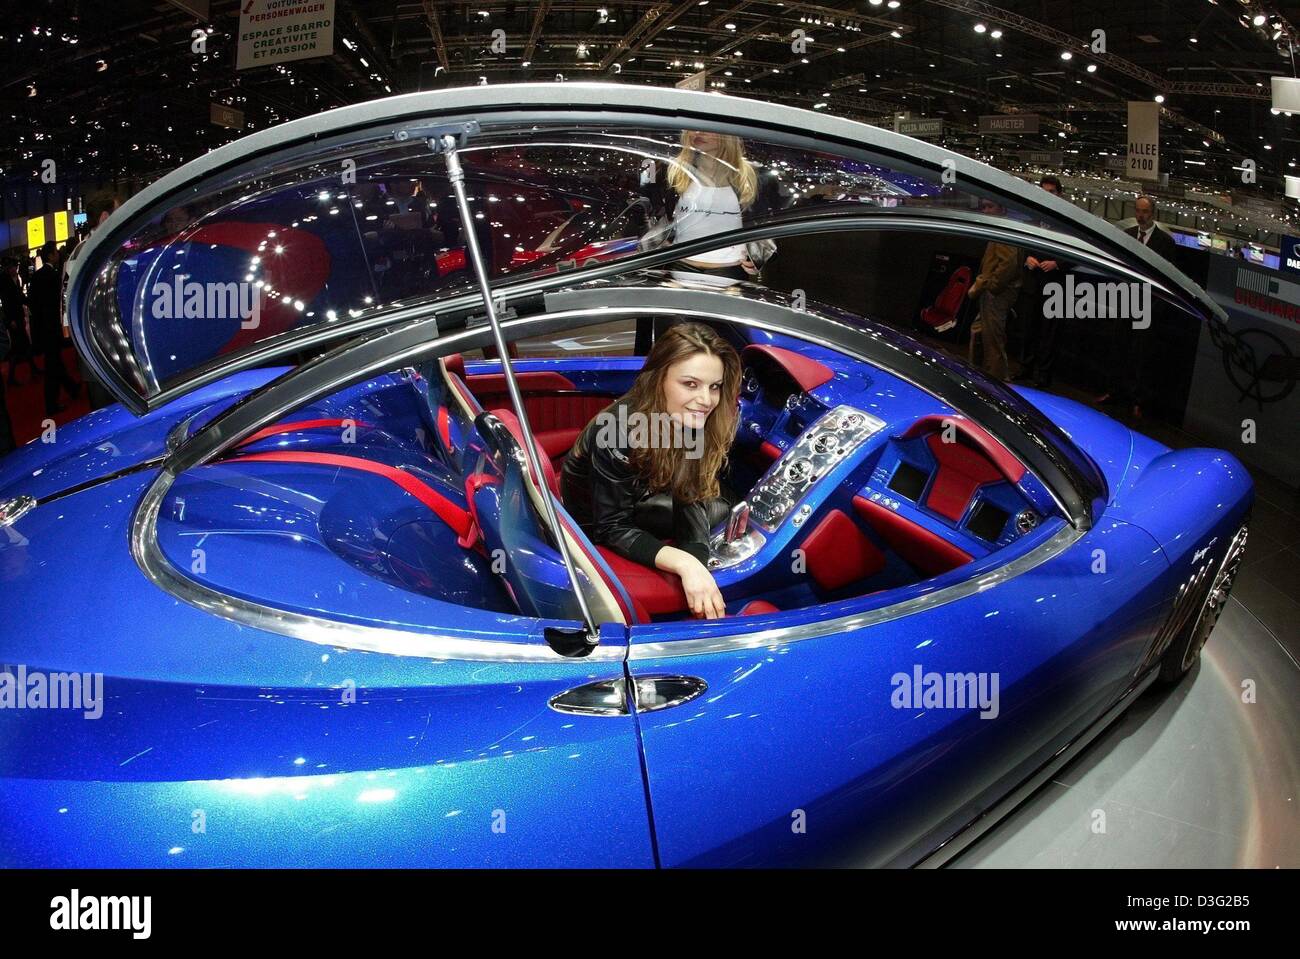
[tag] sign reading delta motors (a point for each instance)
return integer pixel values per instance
(1290, 258)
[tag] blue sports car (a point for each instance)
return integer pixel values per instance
(308, 594)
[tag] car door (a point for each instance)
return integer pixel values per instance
(818, 739)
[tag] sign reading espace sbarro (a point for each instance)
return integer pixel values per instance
(277, 31)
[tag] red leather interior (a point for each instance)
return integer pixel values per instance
(961, 471)
(511, 422)
(654, 592)
(986, 442)
(770, 450)
(757, 607)
(837, 552)
(556, 420)
(808, 373)
(487, 386)
(444, 427)
(579, 539)
(455, 363)
(927, 551)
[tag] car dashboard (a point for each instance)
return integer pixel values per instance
(893, 490)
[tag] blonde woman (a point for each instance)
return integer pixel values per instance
(710, 188)
(631, 491)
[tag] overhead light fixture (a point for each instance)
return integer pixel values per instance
(980, 28)
(1067, 55)
(996, 34)
(1092, 68)
(1160, 98)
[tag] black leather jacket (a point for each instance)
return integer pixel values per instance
(607, 497)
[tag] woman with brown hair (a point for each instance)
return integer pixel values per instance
(646, 469)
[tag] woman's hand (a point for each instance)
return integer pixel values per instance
(702, 594)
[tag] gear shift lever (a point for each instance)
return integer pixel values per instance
(737, 522)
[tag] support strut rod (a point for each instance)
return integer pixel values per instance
(449, 146)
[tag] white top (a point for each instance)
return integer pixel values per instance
(706, 211)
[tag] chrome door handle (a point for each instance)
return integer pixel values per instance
(609, 697)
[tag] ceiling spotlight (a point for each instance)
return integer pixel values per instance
(1092, 68)
(895, 34)
(996, 34)
(1067, 55)
(1259, 20)
(893, 4)
(980, 28)
(1160, 98)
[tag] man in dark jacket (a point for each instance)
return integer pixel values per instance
(1126, 371)
(14, 304)
(1147, 232)
(45, 298)
(1042, 332)
(6, 425)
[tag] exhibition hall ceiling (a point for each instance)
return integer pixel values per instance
(124, 89)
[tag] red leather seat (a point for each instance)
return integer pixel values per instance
(511, 422)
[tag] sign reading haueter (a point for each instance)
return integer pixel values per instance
(1015, 123)
(277, 31)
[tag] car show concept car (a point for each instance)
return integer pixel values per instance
(318, 557)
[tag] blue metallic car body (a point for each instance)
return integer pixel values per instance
(225, 745)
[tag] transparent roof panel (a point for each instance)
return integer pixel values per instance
(348, 234)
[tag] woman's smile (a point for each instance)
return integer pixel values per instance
(692, 388)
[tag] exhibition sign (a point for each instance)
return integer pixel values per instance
(920, 127)
(1290, 255)
(278, 31)
(224, 116)
(1014, 123)
(1143, 140)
